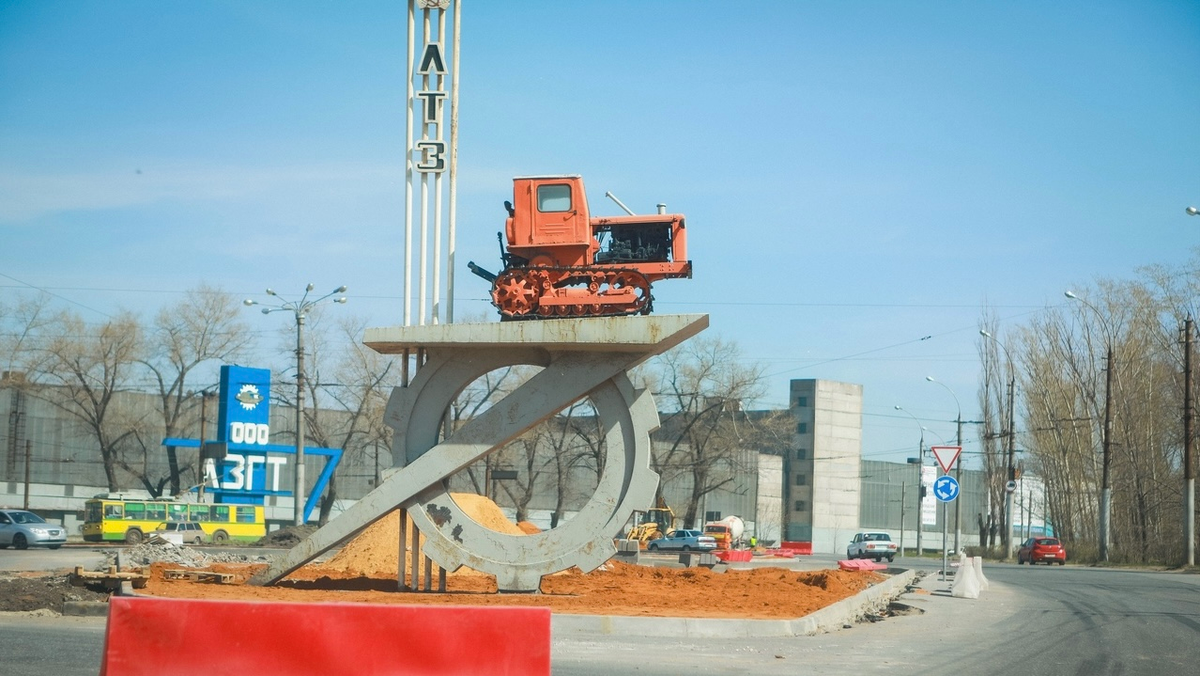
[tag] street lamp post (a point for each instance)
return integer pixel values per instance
(1010, 475)
(1192, 211)
(1105, 441)
(920, 484)
(299, 308)
(958, 421)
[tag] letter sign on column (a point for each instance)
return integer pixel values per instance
(432, 156)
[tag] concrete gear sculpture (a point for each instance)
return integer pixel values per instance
(580, 358)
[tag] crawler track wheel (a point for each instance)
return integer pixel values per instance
(516, 293)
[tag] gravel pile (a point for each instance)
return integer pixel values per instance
(159, 551)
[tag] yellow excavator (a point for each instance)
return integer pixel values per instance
(651, 524)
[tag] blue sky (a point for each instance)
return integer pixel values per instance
(856, 175)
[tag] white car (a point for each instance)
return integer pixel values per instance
(181, 533)
(684, 540)
(871, 545)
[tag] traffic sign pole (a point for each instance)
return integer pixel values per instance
(945, 551)
(946, 489)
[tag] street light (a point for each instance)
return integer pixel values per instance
(1106, 439)
(920, 484)
(1010, 475)
(1192, 211)
(300, 309)
(958, 465)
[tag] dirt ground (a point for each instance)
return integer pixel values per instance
(25, 592)
(365, 571)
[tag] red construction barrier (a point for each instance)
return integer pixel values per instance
(801, 548)
(780, 553)
(154, 636)
(860, 564)
(735, 555)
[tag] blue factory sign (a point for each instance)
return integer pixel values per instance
(251, 467)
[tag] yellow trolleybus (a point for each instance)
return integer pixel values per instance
(130, 521)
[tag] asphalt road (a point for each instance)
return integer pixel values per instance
(1039, 621)
(1032, 621)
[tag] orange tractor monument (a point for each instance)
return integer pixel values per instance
(560, 262)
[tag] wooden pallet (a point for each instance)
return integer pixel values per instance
(198, 576)
(110, 579)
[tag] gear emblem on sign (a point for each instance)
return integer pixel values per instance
(249, 397)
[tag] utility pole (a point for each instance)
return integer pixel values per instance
(1106, 443)
(920, 520)
(958, 477)
(298, 515)
(28, 461)
(1012, 475)
(1105, 486)
(299, 309)
(1189, 479)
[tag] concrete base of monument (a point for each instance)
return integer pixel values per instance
(649, 334)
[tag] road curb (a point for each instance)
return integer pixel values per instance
(85, 608)
(830, 618)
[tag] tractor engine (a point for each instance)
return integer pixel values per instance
(560, 262)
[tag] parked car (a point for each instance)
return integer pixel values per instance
(684, 540)
(1036, 550)
(181, 532)
(22, 529)
(871, 545)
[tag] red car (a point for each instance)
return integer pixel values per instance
(1036, 550)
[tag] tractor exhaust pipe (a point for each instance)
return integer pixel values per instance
(621, 204)
(490, 277)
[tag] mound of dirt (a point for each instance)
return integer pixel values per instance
(289, 536)
(24, 593)
(613, 589)
(375, 552)
(364, 570)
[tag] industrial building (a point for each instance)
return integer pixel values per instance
(817, 489)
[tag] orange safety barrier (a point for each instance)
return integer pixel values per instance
(801, 548)
(860, 564)
(152, 636)
(735, 555)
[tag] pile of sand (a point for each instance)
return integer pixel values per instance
(375, 552)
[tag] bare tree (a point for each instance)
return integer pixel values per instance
(22, 330)
(993, 402)
(547, 455)
(1112, 354)
(87, 367)
(206, 326)
(353, 383)
(702, 387)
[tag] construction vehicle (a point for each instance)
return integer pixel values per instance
(651, 524)
(560, 262)
(727, 532)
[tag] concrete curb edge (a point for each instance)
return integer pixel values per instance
(846, 611)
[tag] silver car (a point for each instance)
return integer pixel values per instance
(22, 529)
(684, 540)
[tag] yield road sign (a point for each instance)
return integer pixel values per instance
(945, 488)
(946, 456)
